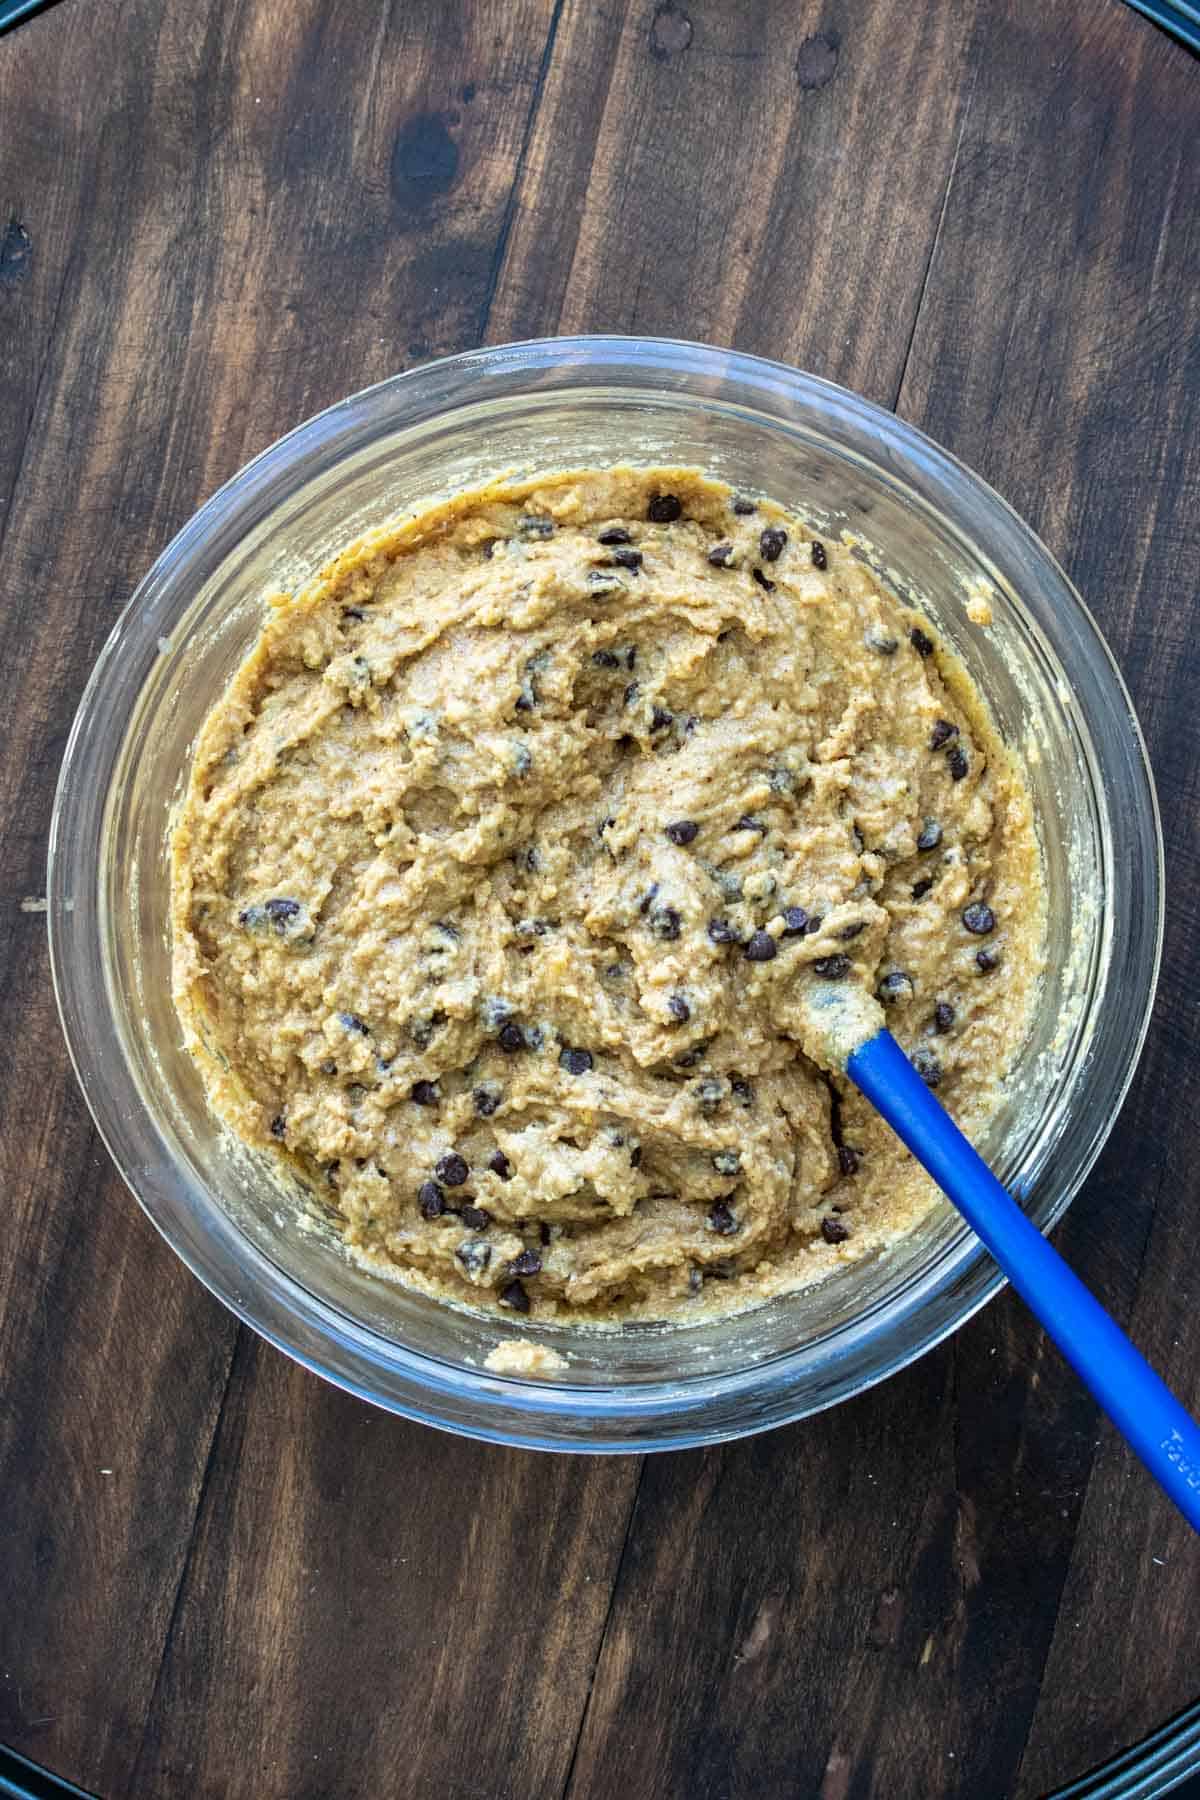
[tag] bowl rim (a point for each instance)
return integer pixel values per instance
(517, 1411)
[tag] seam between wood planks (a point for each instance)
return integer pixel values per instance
(510, 210)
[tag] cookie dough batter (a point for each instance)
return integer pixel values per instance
(508, 855)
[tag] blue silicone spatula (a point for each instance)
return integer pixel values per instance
(844, 1032)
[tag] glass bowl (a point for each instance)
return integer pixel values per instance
(938, 534)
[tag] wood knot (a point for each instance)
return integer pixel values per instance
(16, 248)
(424, 161)
(671, 32)
(817, 60)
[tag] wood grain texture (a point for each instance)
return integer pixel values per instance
(214, 220)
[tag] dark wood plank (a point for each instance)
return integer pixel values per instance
(375, 1608)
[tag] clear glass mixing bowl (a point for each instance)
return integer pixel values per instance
(937, 531)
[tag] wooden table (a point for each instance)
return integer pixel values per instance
(219, 1577)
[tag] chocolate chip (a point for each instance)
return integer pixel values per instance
(486, 1101)
(761, 948)
(515, 1297)
(741, 1090)
(280, 911)
(744, 507)
(682, 831)
(833, 968)
(767, 586)
(956, 762)
(771, 543)
(425, 1093)
(691, 1057)
(473, 1255)
(727, 1162)
(278, 1125)
(475, 1217)
(660, 718)
(817, 551)
(663, 509)
(921, 888)
(720, 556)
(575, 1062)
(944, 1016)
(679, 1009)
(848, 932)
(628, 559)
(815, 923)
(431, 1200)
(606, 659)
(352, 1022)
(833, 1231)
(930, 835)
(647, 898)
(635, 1157)
(979, 919)
(511, 1038)
(545, 1235)
(941, 734)
(451, 1169)
(616, 534)
(537, 525)
(528, 1263)
(722, 1220)
(665, 922)
(722, 932)
(499, 1164)
(848, 1159)
(987, 961)
(927, 1066)
(748, 822)
(630, 656)
(795, 921)
(881, 643)
(895, 986)
(922, 644)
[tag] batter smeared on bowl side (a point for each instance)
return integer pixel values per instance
(510, 851)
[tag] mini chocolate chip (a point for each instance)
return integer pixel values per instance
(278, 1125)
(538, 525)
(473, 1255)
(511, 1038)
(515, 1297)
(575, 1062)
(795, 921)
(944, 1016)
(280, 911)
(630, 656)
(922, 887)
(956, 762)
(606, 659)
(679, 1009)
(616, 534)
(665, 923)
(987, 961)
(352, 1022)
(743, 507)
(930, 835)
(431, 1200)
(682, 831)
(727, 1162)
(748, 822)
(353, 612)
(771, 543)
(881, 643)
(647, 898)
(927, 1066)
(451, 1169)
(741, 1090)
(760, 948)
(979, 919)
(767, 586)
(628, 559)
(848, 932)
(815, 923)
(545, 1235)
(833, 1231)
(848, 1159)
(475, 1217)
(722, 1220)
(328, 1067)
(635, 1157)
(921, 643)
(660, 718)
(527, 1263)
(486, 1101)
(722, 932)
(425, 1093)
(499, 1164)
(895, 986)
(817, 552)
(833, 968)
(691, 1057)
(720, 556)
(941, 734)
(663, 509)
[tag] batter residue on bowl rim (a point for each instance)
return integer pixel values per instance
(507, 857)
